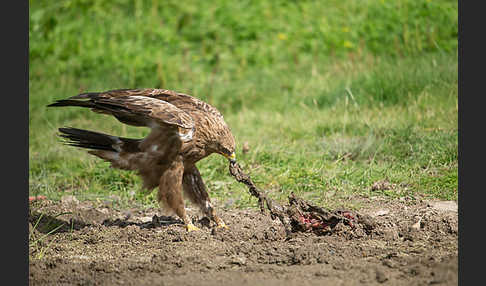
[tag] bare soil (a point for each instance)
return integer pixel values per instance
(410, 243)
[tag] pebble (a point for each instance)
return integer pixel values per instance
(69, 199)
(239, 260)
(146, 219)
(381, 276)
(381, 213)
(416, 226)
(445, 206)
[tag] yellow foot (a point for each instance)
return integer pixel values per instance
(221, 224)
(190, 227)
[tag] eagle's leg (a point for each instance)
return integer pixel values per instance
(195, 190)
(169, 194)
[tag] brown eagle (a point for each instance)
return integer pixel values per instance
(184, 130)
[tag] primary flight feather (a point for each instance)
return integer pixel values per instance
(184, 130)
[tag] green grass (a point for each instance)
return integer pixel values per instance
(330, 96)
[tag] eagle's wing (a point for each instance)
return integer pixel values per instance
(152, 155)
(185, 102)
(133, 107)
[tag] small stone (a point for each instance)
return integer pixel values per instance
(445, 206)
(146, 219)
(69, 199)
(239, 260)
(380, 276)
(127, 214)
(381, 213)
(416, 226)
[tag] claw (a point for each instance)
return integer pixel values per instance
(190, 227)
(221, 224)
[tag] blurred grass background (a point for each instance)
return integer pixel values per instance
(330, 96)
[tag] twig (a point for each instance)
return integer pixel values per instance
(299, 215)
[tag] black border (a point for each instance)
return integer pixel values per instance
(464, 272)
(470, 145)
(15, 141)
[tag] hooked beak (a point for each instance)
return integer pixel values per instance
(231, 157)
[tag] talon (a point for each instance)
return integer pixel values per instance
(222, 225)
(190, 227)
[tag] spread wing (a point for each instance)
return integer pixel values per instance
(152, 155)
(133, 107)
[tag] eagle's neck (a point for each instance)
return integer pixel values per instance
(194, 151)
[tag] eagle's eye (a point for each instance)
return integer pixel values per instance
(228, 154)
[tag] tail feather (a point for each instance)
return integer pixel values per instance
(71, 102)
(94, 94)
(122, 153)
(116, 110)
(84, 95)
(89, 139)
(98, 141)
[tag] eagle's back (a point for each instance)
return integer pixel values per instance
(208, 121)
(189, 104)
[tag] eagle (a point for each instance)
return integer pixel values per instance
(183, 130)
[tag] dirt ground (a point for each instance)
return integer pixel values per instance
(411, 243)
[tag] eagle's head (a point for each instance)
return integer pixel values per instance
(225, 144)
